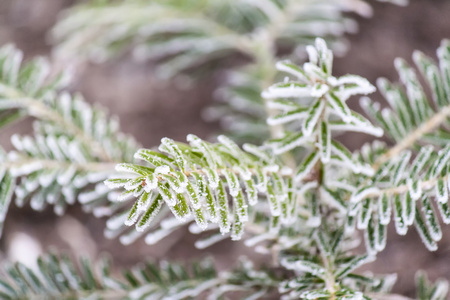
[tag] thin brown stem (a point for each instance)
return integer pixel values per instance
(388, 296)
(264, 55)
(54, 164)
(414, 136)
(39, 110)
(425, 185)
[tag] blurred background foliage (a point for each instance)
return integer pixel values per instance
(150, 109)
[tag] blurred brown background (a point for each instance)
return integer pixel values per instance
(150, 109)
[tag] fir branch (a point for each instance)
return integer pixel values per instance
(412, 118)
(74, 146)
(399, 181)
(313, 101)
(60, 277)
(178, 178)
(310, 210)
(254, 28)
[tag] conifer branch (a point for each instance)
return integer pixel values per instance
(321, 93)
(412, 117)
(303, 214)
(407, 177)
(74, 147)
(178, 178)
(59, 277)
